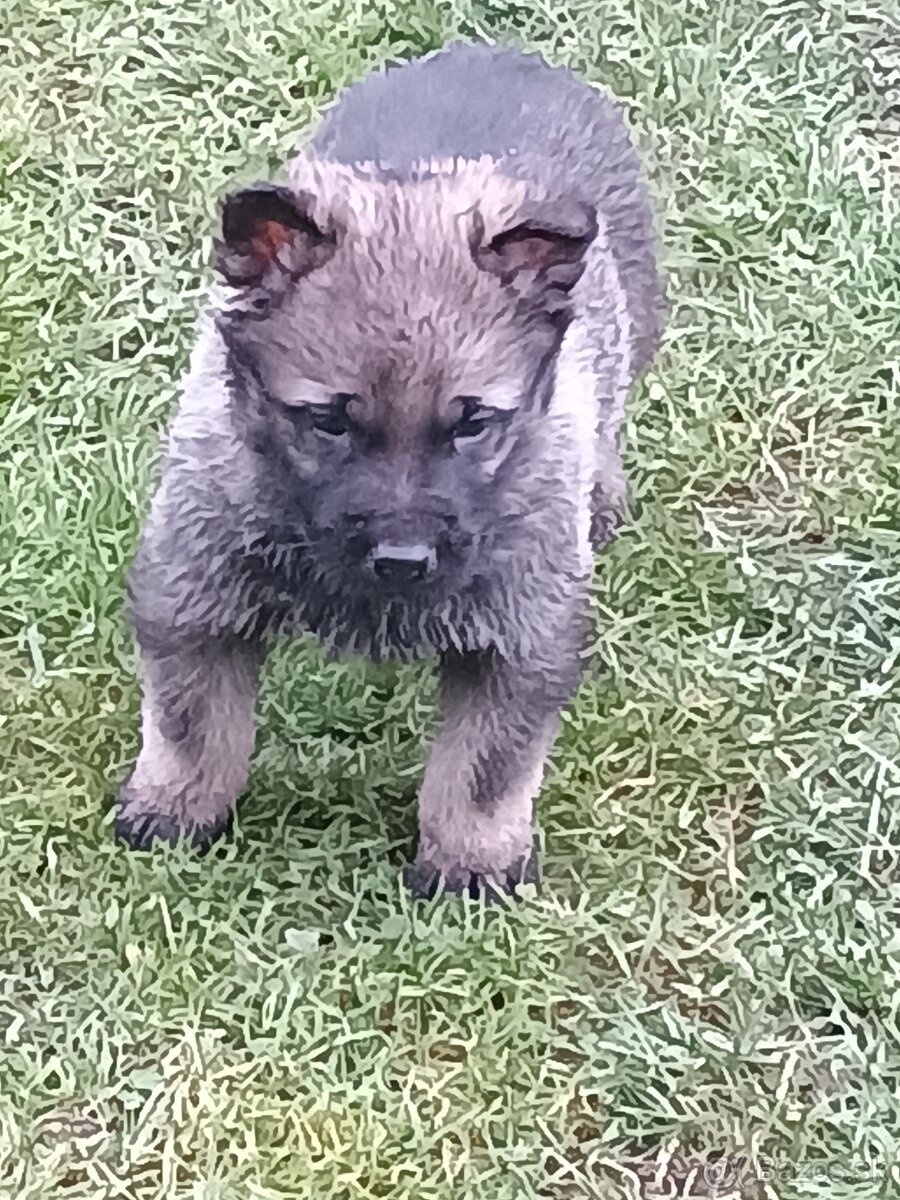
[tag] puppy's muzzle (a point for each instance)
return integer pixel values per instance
(402, 564)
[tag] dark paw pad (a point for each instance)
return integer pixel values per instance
(425, 881)
(139, 828)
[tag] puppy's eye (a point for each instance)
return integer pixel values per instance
(332, 419)
(476, 420)
(329, 420)
(470, 429)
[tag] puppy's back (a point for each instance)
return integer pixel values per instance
(464, 101)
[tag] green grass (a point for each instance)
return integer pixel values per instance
(713, 966)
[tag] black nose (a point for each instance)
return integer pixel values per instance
(402, 564)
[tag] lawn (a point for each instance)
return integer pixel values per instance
(711, 974)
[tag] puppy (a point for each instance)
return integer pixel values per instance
(399, 431)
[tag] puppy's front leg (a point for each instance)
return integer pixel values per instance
(483, 773)
(197, 725)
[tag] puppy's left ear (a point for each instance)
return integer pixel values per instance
(540, 249)
(269, 231)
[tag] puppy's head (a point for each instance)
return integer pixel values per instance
(393, 343)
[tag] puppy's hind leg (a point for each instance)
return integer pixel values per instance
(612, 504)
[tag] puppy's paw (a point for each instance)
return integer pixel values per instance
(146, 816)
(424, 881)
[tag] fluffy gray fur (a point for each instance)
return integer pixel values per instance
(419, 346)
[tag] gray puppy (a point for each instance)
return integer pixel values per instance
(399, 430)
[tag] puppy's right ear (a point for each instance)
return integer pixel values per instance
(269, 233)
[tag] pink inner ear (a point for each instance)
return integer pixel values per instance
(533, 251)
(268, 238)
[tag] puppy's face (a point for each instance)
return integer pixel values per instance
(393, 345)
